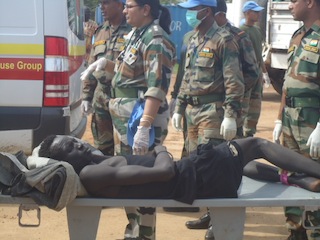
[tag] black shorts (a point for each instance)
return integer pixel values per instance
(219, 170)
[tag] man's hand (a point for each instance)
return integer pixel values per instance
(228, 128)
(100, 64)
(172, 106)
(314, 142)
(266, 80)
(141, 141)
(86, 107)
(277, 131)
(176, 121)
(90, 69)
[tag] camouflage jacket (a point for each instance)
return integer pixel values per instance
(250, 67)
(213, 68)
(146, 62)
(302, 78)
(108, 43)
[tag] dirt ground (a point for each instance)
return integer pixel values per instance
(261, 223)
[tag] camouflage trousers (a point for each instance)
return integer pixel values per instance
(142, 221)
(102, 131)
(251, 109)
(203, 125)
(297, 125)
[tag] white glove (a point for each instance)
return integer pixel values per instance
(176, 121)
(141, 141)
(277, 131)
(172, 106)
(314, 142)
(86, 107)
(101, 63)
(266, 80)
(90, 69)
(228, 128)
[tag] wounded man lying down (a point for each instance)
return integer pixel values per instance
(213, 172)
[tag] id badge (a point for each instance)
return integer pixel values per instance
(131, 56)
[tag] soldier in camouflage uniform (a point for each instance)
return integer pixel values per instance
(252, 107)
(142, 72)
(250, 67)
(212, 88)
(299, 112)
(109, 41)
(250, 71)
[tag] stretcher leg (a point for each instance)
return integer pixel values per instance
(228, 222)
(83, 222)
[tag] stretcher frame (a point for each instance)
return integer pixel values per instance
(228, 215)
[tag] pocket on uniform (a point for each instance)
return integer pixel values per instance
(309, 64)
(100, 49)
(206, 66)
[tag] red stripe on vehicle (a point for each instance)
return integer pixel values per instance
(21, 68)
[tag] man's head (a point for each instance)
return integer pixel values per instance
(251, 12)
(221, 11)
(305, 10)
(112, 9)
(198, 11)
(68, 149)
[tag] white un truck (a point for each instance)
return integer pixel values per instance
(278, 25)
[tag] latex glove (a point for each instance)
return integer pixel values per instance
(277, 131)
(101, 64)
(90, 69)
(86, 107)
(176, 121)
(141, 141)
(266, 80)
(314, 142)
(228, 128)
(172, 106)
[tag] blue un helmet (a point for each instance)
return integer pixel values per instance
(195, 3)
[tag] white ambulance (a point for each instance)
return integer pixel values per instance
(41, 57)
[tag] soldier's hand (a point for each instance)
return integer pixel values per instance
(101, 64)
(228, 128)
(277, 131)
(141, 141)
(176, 121)
(90, 69)
(172, 106)
(314, 142)
(86, 107)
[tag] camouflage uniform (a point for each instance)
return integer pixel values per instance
(212, 87)
(143, 68)
(253, 110)
(108, 43)
(177, 84)
(250, 67)
(302, 109)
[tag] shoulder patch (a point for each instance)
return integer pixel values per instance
(156, 30)
(225, 34)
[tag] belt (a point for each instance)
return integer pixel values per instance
(203, 99)
(312, 102)
(126, 92)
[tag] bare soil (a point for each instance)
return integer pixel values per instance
(261, 223)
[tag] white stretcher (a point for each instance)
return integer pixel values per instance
(228, 215)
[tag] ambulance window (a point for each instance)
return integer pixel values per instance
(76, 17)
